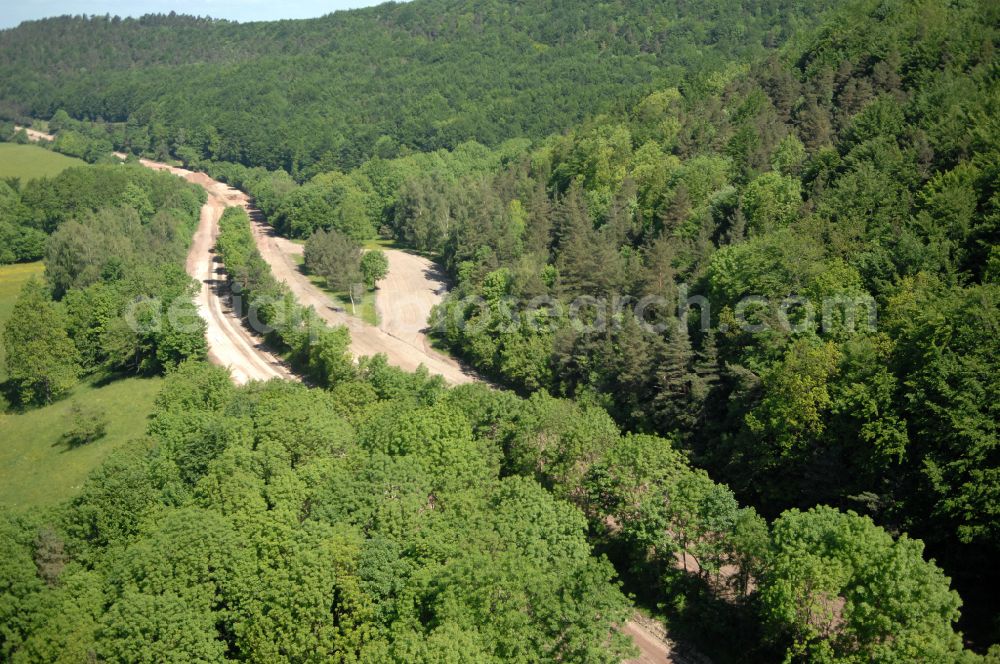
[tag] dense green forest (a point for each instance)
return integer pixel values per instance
(779, 477)
(859, 163)
(330, 92)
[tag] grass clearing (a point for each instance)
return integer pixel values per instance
(38, 469)
(30, 161)
(12, 279)
(381, 243)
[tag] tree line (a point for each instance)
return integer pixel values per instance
(389, 518)
(115, 295)
(856, 164)
(859, 160)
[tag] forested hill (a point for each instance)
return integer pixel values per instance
(332, 91)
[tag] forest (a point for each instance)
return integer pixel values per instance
(114, 240)
(310, 96)
(778, 477)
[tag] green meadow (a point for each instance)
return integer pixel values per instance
(38, 468)
(30, 161)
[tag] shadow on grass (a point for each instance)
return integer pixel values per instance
(10, 400)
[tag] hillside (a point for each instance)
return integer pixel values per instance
(335, 90)
(731, 270)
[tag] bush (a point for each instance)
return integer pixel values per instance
(86, 424)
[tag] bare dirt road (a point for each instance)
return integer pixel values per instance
(34, 134)
(655, 646)
(404, 301)
(652, 649)
(406, 296)
(407, 350)
(230, 343)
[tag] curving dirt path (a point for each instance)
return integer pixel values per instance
(230, 343)
(652, 650)
(407, 350)
(414, 285)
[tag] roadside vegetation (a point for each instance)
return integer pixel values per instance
(364, 306)
(114, 240)
(345, 269)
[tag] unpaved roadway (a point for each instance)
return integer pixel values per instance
(34, 134)
(406, 296)
(409, 349)
(652, 650)
(230, 343)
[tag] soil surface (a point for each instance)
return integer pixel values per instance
(403, 302)
(230, 343)
(652, 649)
(34, 134)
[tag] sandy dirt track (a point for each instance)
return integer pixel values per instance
(652, 650)
(407, 351)
(230, 343)
(406, 296)
(34, 134)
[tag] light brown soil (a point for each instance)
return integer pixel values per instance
(34, 134)
(652, 648)
(400, 336)
(230, 343)
(406, 296)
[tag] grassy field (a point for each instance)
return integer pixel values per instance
(37, 468)
(30, 161)
(365, 309)
(12, 278)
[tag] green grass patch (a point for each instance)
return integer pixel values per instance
(363, 309)
(380, 243)
(12, 278)
(37, 468)
(30, 161)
